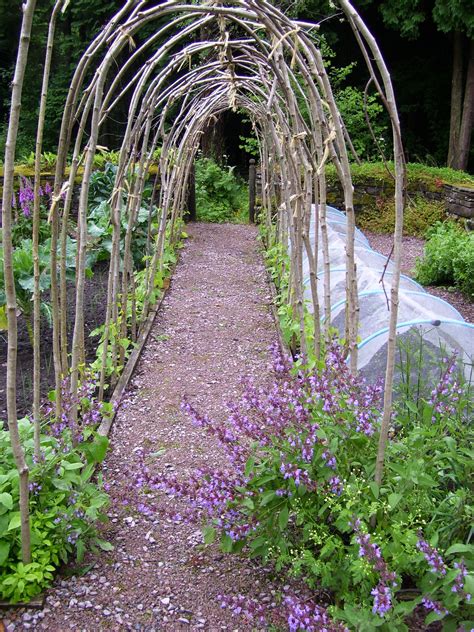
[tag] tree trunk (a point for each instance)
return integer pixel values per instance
(456, 99)
(467, 115)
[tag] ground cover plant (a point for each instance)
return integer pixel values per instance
(298, 492)
(420, 215)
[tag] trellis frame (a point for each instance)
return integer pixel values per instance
(258, 70)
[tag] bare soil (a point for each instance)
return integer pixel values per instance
(95, 298)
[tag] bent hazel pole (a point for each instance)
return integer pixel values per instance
(9, 164)
(371, 51)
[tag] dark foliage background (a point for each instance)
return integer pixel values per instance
(416, 37)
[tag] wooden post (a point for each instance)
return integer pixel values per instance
(252, 190)
(191, 214)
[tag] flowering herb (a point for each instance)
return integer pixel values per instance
(300, 455)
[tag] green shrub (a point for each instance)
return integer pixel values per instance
(350, 101)
(464, 269)
(448, 258)
(220, 195)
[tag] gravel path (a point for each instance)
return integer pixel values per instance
(215, 327)
(412, 249)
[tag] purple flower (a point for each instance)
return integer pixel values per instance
(382, 599)
(336, 485)
(372, 553)
(25, 196)
(432, 556)
(435, 606)
(446, 394)
(329, 459)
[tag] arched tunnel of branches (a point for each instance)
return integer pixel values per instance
(178, 66)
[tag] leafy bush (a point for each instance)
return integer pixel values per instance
(420, 215)
(99, 226)
(220, 195)
(65, 500)
(448, 258)
(23, 268)
(299, 492)
(350, 101)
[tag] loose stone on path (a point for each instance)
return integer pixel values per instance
(215, 327)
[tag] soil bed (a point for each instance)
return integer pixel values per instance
(95, 299)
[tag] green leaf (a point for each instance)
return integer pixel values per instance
(80, 550)
(460, 548)
(283, 517)
(267, 497)
(394, 499)
(405, 607)
(72, 466)
(375, 489)
(6, 500)
(255, 544)
(469, 584)
(248, 502)
(4, 550)
(96, 450)
(209, 534)
(15, 521)
(433, 616)
(226, 543)
(411, 406)
(249, 466)
(3, 318)
(104, 545)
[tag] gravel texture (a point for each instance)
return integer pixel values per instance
(412, 249)
(214, 328)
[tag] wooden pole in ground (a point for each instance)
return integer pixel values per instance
(252, 189)
(191, 215)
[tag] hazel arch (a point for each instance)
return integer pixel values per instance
(202, 59)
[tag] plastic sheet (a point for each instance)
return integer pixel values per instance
(428, 329)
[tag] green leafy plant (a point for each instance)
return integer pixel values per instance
(99, 227)
(299, 492)
(220, 195)
(448, 258)
(420, 215)
(24, 277)
(66, 498)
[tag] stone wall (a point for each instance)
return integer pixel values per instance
(459, 199)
